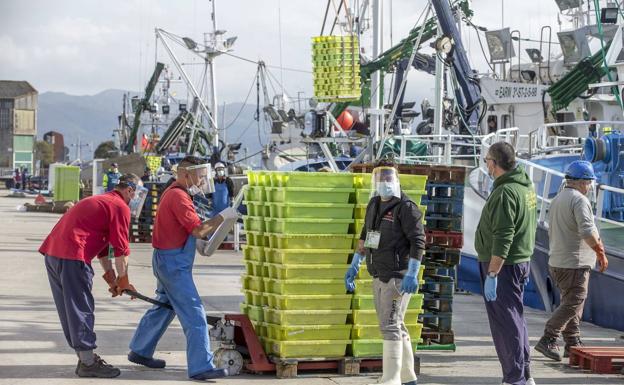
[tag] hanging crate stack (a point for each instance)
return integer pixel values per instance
(366, 337)
(336, 68)
(141, 228)
(296, 258)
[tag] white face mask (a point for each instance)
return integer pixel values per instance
(386, 189)
(220, 172)
(194, 190)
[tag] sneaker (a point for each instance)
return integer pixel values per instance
(571, 344)
(549, 348)
(153, 363)
(99, 369)
(530, 381)
(211, 374)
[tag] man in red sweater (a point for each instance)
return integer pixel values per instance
(83, 233)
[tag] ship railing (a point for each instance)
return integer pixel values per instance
(441, 146)
(543, 178)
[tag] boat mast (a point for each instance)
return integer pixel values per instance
(376, 115)
(210, 40)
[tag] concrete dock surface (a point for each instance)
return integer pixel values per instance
(33, 349)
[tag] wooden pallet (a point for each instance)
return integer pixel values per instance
(348, 366)
(601, 360)
(431, 337)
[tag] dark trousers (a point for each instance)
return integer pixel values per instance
(507, 323)
(71, 282)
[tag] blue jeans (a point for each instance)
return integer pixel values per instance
(173, 270)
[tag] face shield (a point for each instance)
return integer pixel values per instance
(199, 179)
(138, 200)
(385, 182)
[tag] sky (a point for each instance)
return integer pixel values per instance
(87, 46)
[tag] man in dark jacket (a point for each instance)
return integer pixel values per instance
(393, 243)
(504, 241)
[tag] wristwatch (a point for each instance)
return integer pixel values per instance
(492, 274)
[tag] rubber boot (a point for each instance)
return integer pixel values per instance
(392, 358)
(408, 375)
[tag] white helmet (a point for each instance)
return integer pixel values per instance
(219, 165)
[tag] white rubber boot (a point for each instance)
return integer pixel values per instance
(392, 357)
(408, 375)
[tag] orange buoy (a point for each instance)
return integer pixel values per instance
(345, 119)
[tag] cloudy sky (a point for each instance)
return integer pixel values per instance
(87, 46)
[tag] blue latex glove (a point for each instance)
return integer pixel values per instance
(353, 272)
(410, 280)
(489, 289)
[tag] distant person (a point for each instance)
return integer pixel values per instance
(504, 241)
(18, 179)
(84, 232)
(575, 246)
(147, 175)
(24, 178)
(111, 178)
(224, 189)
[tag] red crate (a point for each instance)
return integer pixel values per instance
(450, 239)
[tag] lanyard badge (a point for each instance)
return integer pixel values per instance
(372, 239)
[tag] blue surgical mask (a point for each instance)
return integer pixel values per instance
(386, 189)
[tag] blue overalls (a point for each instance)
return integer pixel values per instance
(173, 269)
(112, 181)
(220, 197)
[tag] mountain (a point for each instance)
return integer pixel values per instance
(92, 118)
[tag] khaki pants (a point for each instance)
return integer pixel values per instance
(391, 306)
(573, 284)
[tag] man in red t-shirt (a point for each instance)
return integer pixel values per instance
(176, 228)
(83, 233)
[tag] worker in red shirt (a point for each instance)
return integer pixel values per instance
(176, 229)
(83, 233)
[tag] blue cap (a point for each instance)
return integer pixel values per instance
(580, 169)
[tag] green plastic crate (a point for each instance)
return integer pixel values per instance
(312, 179)
(255, 194)
(305, 317)
(308, 225)
(254, 209)
(308, 332)
(253, 253)
(372, 332)
(257, 238)
(254, 223)
(369, 317)
(309, 241)
(307, 271)
(312, 210)
(255, 268)
(371, 348)
(255, 313)
(309, 302)
(359, 211)
(252, 282)
(255, 298)
(298, 349)
(308, 194)
(267, 209)
(304, 286)
(367, 302)
(308, 256)
(260, 329)
(66, 183)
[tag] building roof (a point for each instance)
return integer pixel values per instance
(15, 88)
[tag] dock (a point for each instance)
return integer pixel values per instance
(33, 349)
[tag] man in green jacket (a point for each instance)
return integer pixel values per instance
(504, 241)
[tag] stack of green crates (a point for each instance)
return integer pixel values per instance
(66, 183)
(298, 245)
(366, 337)
(336, 68)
